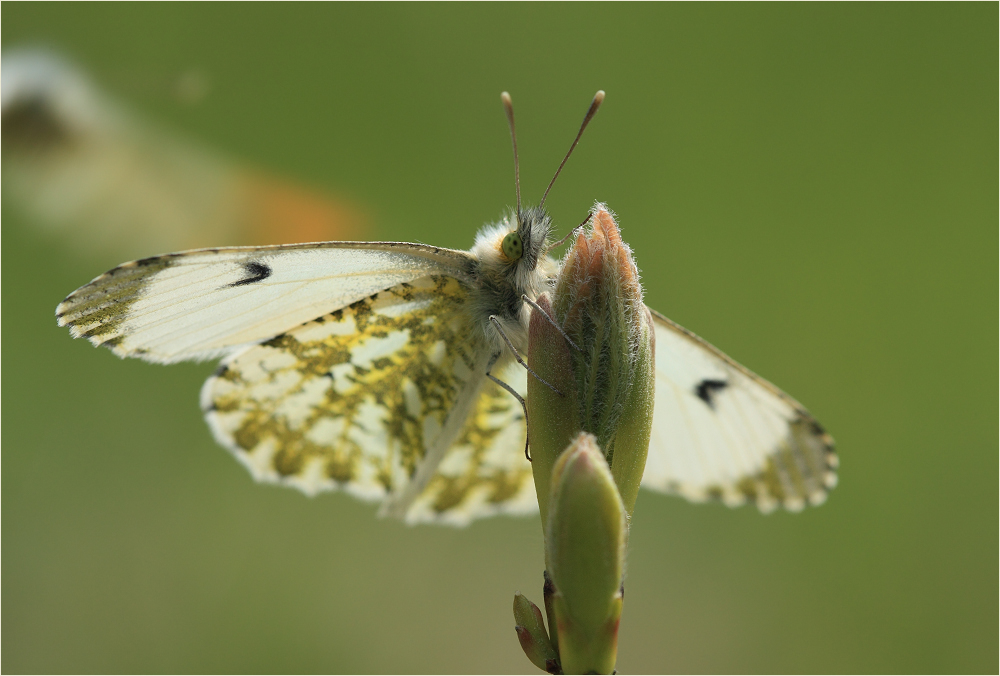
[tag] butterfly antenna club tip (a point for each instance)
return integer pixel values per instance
(508, 108)
(594, 105)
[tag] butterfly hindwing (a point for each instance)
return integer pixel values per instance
(365, 399)
(720, 431)
(206, 303)
(484, 473)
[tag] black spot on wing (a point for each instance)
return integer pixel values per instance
(707, 388)
(255, 272)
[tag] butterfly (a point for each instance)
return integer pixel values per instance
(377, 368)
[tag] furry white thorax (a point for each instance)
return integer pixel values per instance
(502, 281)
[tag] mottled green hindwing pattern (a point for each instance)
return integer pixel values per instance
(353, 400)
(485, 472)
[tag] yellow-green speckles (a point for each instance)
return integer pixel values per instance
(353, 398)
(98, 310)
(487, 466)
(799, 472)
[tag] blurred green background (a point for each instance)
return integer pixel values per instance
(813, 188)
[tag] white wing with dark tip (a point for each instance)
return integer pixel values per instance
(203, 304)
(722, 432)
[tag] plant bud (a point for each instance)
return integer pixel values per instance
(585, 552)
(607, 380)
(531, 633)
(553, 418)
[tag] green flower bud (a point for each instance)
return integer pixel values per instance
(531, 633)
(631, 443)
(585, 551)
(607, 380)
(553, 417)
(593, 342)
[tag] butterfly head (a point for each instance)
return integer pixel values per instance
(514, 247)
(510, 257)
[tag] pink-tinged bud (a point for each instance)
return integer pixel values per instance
(530, 628)
(598, 303)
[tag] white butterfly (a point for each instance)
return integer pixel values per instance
(363, 366)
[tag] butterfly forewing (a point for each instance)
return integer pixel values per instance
(204, 304)
(719, 431)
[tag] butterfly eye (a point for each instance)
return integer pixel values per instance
(511, 246)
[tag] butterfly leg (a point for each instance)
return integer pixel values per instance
(571, 232)
(514, 394)
(551, 321)
(496, 323)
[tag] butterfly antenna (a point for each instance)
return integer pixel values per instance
(508, 107)
(594, 105)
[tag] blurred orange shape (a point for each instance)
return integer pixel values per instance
(84, 166)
